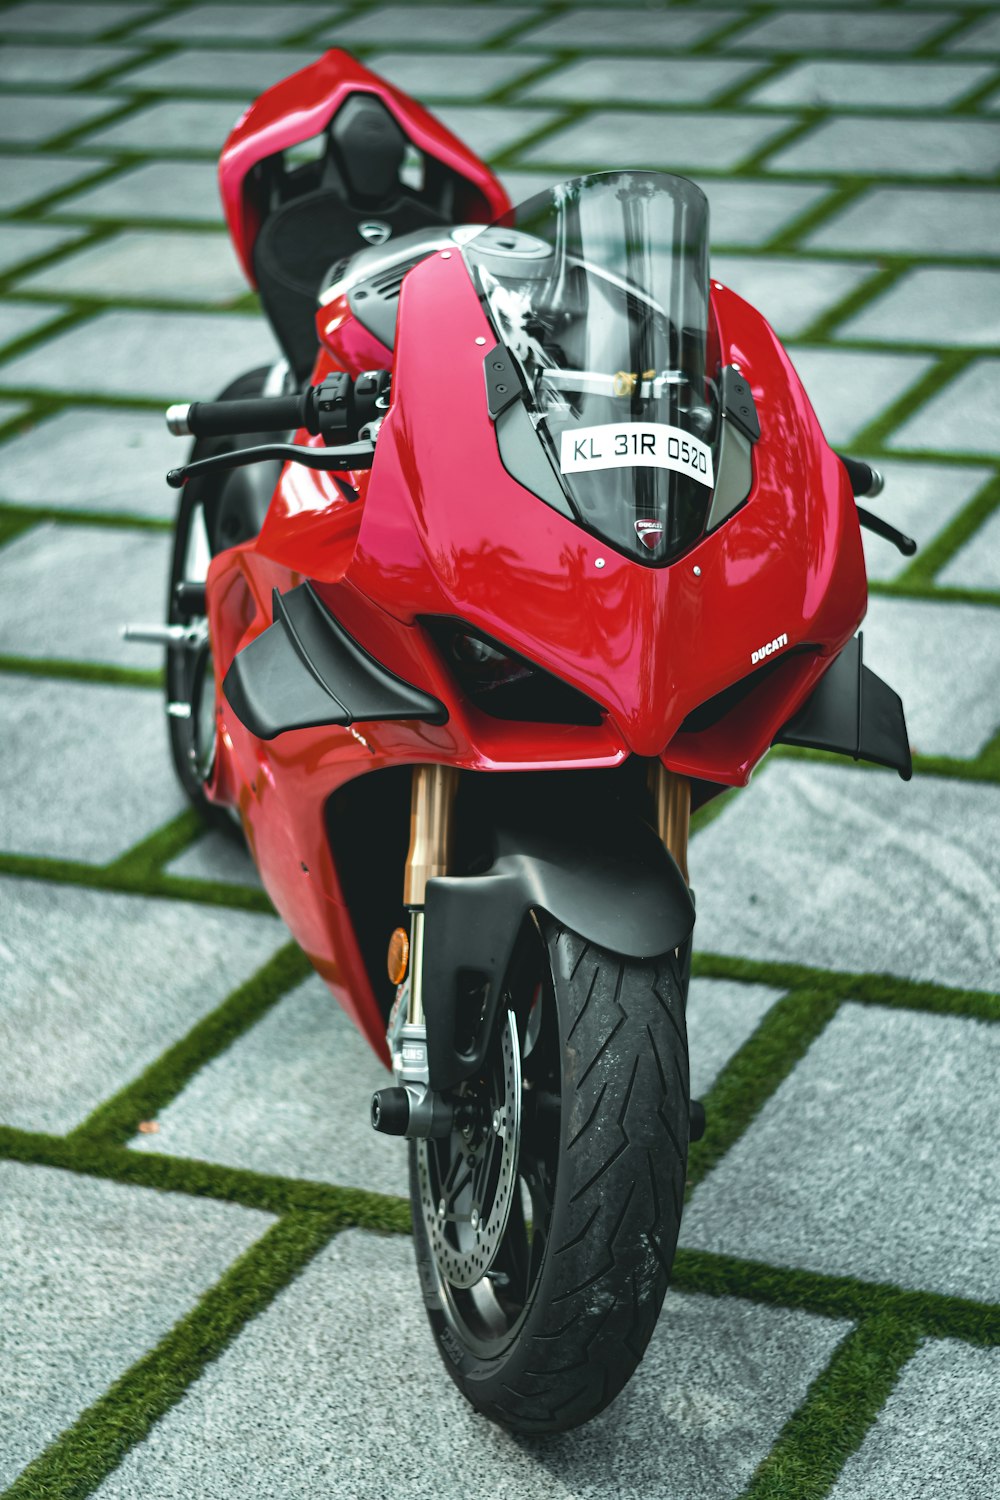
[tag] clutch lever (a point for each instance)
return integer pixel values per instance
(899, 539)
(351, 456)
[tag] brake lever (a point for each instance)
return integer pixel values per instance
(899, 539)
(351, 456)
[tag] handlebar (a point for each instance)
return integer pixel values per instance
(203, 419)
(865, 480)
(336, 410)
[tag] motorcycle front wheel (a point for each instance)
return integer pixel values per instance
(545, 1225)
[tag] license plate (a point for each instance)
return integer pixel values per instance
(636, 445)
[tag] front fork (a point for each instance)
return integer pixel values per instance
(412, 1108)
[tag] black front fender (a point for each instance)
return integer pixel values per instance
(628, 897)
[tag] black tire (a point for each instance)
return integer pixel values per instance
(609, 1150)
(204, 502)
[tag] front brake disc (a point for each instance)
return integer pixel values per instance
(467, 1186)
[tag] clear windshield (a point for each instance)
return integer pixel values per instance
(599, 289)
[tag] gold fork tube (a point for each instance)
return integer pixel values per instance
(432, 809)
(672, 801)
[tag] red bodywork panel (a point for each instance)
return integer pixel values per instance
(441, 528)
(302, 106)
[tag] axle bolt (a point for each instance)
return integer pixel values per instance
(474, 1218)
(441, 1209)
(496, 1122)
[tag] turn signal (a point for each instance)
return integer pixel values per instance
(399, 955)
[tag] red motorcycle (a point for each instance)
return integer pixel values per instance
(542, 549)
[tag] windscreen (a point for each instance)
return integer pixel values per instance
(598, 287)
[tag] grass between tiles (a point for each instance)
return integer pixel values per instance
(76, 1463)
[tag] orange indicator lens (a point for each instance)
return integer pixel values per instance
(399, 955)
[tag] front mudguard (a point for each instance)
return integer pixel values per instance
(628, 897)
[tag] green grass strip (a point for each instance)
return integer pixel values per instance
(81, 671)
(867, 989)
(30, 515)
(115, 1120)
(146, 858)
(201, 1179)
(933, 555)
(933, 1314)
(840, 1407)
(76, 1463)
(755, 1072)
(160, 887)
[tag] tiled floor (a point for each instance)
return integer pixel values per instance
(182, 1109)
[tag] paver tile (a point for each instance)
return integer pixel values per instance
(104, 780)
(873, 144)
(648, 80)
(721, 1016)
(169, 125)
(265, 23)
(23, 179)
(791, 292)
(850, 388)
(98, 985)
(20, 318)
(229, 70)
(977, 564)
(63, 18)
(175, 356)
(715, 140)
(156, 190)
(936, 1433)
(83, 583)
(717, 1382)
(983, 36)
(426, 24)
(22, 243)
(218, 857)
(452, 75)
(626, 29)
(59, 66)
(845, 868)
(914, 644)
(741, 211)
(921, 499)
(489, 129)
(914, 221)
(92, 1275)
(855, 31)
(895, 1134)
(89, 458)
(165, 265)
(964, 417)
(923, 86)
(291, 1096)
(933, 305)
(33, 119)
(750, 211)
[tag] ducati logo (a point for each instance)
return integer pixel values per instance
(768, 650)
(375, 231)
(650, 533)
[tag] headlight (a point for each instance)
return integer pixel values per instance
(505, 685)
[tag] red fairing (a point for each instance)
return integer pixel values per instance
(441, 528)
(301, 107)
(447, 531)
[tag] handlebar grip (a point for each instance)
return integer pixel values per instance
(864, 479)
(230, 418)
